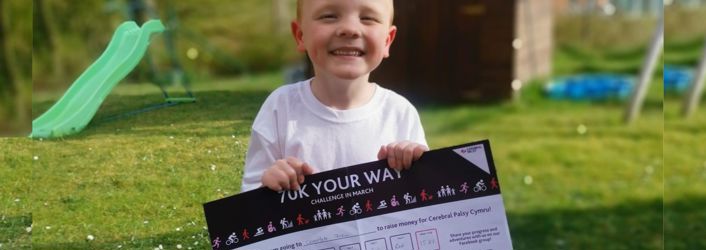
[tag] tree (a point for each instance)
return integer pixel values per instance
(15, 65)
(7, 88)
(47, 29)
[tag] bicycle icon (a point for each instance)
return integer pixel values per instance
(232, 239)
(356, 209)
(480, 186)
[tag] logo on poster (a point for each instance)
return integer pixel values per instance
(475, 154)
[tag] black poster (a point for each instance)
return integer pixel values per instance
(449, 199)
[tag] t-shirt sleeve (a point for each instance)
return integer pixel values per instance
(408, 121)
(263, 149)
(416, 131)
(261, 154)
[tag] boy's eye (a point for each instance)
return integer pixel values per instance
(327, 16)
(369, 19)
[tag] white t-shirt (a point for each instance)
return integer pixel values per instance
(292, 122)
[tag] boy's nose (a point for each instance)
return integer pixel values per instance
(348, 29)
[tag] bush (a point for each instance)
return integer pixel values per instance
(230, 37)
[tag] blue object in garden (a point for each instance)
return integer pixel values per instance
(590, 87)
(676, 79)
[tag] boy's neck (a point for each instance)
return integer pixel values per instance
(342, 94)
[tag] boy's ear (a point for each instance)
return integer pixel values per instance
(390, 38)
(298, 34)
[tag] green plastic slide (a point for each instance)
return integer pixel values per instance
(79, 104)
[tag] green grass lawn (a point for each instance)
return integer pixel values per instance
(139, 182)
(685, 177)
(587, 189)
(15, 176)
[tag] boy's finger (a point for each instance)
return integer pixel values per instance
(391, 156)
(273, 185)
(419, 150)
(282, 185)
(307, 169)
(296, 165)
(294, 162)
(293, 179)
(408, 155)
(282, 181)
(275, 188)
(400, 155)
(289, 173)
(382, 154)
(287, 169)
(271, 178)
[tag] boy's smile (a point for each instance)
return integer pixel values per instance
(345, 39)
(348, 52)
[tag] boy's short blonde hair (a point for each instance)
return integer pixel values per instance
(299, 11)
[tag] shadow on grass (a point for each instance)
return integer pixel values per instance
(168, 241)
(685, 223)
(630, 225)
(229, 109)
(13, 234)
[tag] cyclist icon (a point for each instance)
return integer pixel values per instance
(480, 186)
(232, 239)
(356, 209)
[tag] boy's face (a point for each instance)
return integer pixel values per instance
(345, 38)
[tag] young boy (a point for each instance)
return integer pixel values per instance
(337, 118)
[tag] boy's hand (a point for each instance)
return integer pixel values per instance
(400, 155)
(286, 174)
